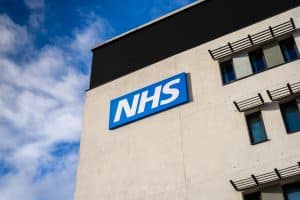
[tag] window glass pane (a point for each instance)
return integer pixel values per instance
(253, 196)
(256, 128)
(289, 49)
(257, 60)
(291, 116)
(227, 70)
(292, 191)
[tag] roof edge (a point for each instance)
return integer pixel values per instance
(148, 24)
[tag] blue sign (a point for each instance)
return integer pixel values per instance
(152, 99)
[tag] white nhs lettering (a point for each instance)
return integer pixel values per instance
(149, 100)
(143, 98)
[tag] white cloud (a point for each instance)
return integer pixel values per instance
(36, 19)
(35, 4)
(12, 36)
(41, 100)
(94, 33)
(37, 8)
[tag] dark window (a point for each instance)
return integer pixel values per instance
(289, 49)
(253, 196)
(227, 70)
(292, 191)
(256, 128)
(291, 116)
(257, 60)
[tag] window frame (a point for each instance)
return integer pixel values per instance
(260, 50)
(253, 193)
(221, 71)
(285, 40)
(283, 119)
(278, 40)
(284, 189)
(263, 126)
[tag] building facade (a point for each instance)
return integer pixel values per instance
(236, 135)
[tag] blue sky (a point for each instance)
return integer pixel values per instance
(45, 63)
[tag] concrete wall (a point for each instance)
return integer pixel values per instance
(192, 151)
(297, 32)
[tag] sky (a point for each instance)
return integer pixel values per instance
(45, 61)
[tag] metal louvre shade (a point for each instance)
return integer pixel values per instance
(251, 40)
(284, 92)
(250, 103)
(259, 180)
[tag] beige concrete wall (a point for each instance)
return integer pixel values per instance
(297, 32)
(296, 35)
(192, 151)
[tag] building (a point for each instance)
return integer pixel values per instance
(201, 104)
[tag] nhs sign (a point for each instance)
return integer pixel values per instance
(149, 100)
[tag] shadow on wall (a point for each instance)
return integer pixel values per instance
(190, 89)
(270, 106)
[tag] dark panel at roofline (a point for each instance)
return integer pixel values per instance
(184, 30)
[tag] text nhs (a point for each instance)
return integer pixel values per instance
(148, 100)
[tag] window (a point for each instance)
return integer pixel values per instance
(253, 196)
(256, 128)
(244, 64)
(257, 60)
(292, 191)
(291, 116)
(289, 49)
(228, 74)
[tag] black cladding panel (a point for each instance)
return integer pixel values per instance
(184, 30)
